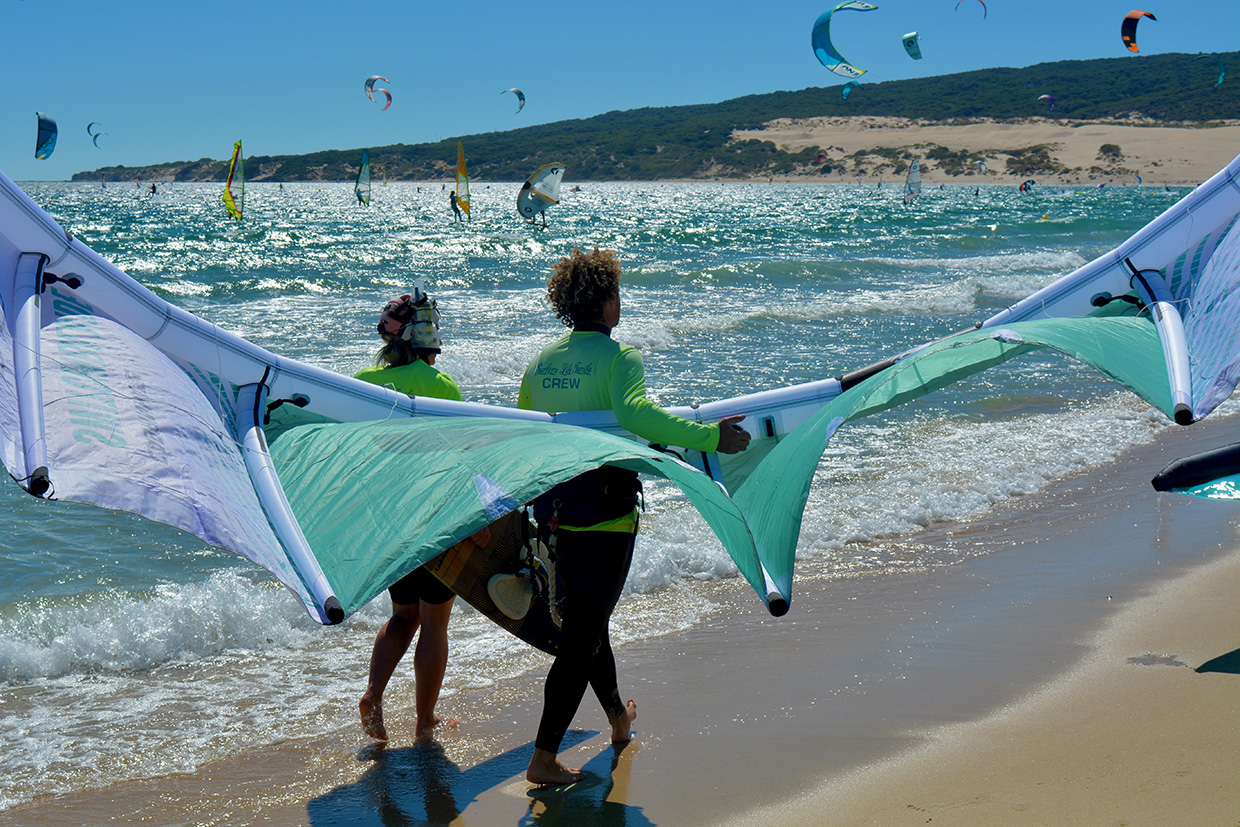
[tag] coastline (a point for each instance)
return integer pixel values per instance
(839, 704)
(867, 146)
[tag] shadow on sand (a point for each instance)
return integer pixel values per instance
(1229, 663)
(420, 785)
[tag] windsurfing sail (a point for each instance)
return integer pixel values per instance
(912, 182)
(45, 139)
(110, 395)
(1213, 475)
(362, 188)
(234, 187)
(462, 179)
(540, 191)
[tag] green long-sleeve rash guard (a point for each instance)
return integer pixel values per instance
(589, 371)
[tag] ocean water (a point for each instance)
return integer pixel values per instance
(130, 649)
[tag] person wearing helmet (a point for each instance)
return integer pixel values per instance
(409, 327)
(590, 522)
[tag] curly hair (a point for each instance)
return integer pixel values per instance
(581, 284)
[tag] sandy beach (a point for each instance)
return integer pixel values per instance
(1079, 666)
(1173, 154)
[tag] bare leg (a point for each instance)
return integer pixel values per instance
(544, 769)
(622, 727)
(390, 646)
(430, 661)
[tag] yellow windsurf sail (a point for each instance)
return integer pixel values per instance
(462, 179)
(234, 188)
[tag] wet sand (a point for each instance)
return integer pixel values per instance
(994, 690)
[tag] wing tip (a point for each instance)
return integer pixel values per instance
(333, 611)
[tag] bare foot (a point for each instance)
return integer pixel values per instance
(428, 729)
(546, 771)
(621, 728)
(372, 717)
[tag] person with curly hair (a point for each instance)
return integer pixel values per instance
(590, 522)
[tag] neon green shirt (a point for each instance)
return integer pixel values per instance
(589, 371)
(416, 379)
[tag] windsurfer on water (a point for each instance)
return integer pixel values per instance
(456, 209)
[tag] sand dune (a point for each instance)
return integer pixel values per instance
(1161, 154)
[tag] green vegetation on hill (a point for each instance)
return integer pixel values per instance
(696, 141)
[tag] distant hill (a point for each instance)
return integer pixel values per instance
(696, 141)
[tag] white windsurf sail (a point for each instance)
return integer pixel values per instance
(912, 182)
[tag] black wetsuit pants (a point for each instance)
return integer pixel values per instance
(592, 567)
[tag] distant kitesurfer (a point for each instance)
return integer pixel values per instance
(152, 188)
(456, 209)
(590, 522)
(409, 327)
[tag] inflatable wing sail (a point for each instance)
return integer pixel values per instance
(1160, 314)
(540, 191)
(111, 396)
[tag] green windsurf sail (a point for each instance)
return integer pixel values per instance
(234, 187)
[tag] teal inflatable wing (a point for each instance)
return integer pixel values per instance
(378, 499)
(773, 497)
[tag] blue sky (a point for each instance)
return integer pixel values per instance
(173, 81)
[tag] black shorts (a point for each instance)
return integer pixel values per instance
(419, 584)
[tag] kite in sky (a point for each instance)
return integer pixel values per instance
(820, 39)
(520, 97)
(45, 143)
(370, 89)
(911, 46)
(94, 136)
(1128, 29)
(1221, 73)
(958, 2)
